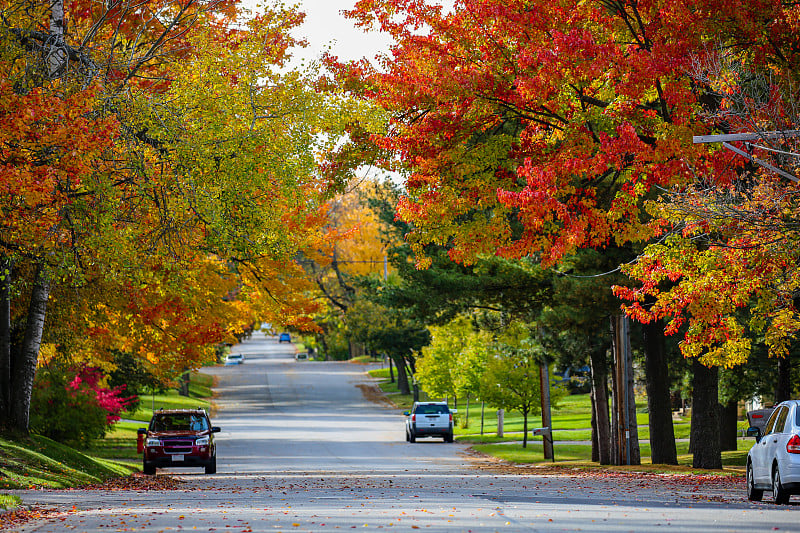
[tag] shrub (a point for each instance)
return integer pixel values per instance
(70, 406)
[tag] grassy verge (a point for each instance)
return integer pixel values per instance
(9, 501)
(367, 359)
(40, 462)
(402, 401)
(581, 454)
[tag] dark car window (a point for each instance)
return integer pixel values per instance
(432, 410)
(179, 422)
(771, 422)
(781, 423)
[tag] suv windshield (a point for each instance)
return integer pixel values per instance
(179, 422)
(431, 410)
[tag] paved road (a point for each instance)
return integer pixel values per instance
(303, 449)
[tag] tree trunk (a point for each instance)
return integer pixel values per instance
(783, 389)
(598, 365)
(24, 365)
(659, 406)
(705, 420)
(5, 341)
(525, 428)
(728, 431)
(183, 389)
(595, 451)
(402, 375)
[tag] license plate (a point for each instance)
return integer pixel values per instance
(177, 458)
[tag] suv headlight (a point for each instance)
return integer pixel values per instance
(153, 442)
(203, 441)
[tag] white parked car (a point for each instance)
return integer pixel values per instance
(773, 463)
(234, 359)
(429, 419)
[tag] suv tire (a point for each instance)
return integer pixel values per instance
(148, 469)
(412, 437)
(211, 467)
(448, 437)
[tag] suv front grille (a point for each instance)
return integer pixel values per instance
(178, 445)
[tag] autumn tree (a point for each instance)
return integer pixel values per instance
(158, 182)
(539, 128)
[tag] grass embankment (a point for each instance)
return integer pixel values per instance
(40, 462)
(120, 442)
(571, 421)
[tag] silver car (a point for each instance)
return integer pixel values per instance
(429, 419)
(773, 462)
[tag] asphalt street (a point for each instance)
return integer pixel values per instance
(305, 447)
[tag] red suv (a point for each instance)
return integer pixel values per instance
(178, 438)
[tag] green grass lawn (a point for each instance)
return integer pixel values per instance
(199, 396)
(576, 453)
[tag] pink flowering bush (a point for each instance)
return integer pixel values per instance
(69, 405)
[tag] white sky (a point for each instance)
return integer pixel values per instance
(326, 26)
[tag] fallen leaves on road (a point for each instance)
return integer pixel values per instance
(136, 481)
(22, 515)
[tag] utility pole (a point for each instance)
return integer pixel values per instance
(624, 438)
(547, 421)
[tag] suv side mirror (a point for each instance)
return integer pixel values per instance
(215, 429)
(754, 431)
(454, 411)
(141, 431)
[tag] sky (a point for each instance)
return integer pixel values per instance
(325, 25)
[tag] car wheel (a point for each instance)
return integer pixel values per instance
(779, 494)
(448, 437)
(148, 468)
(412, 437)
(211, 467)
(408, 438)
(753, 494)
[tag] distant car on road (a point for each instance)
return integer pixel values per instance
(429, 419)
(773, 463)
(178, 438)
(301, 356)
(284, 337)
(234, 359)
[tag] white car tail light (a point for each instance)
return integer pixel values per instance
(793, 446)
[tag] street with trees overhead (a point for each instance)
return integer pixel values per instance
(519, 201)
